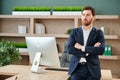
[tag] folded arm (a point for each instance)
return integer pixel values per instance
(72, 46)
(98, 48)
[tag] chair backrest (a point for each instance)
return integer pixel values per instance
(65, 58)
(106, 75)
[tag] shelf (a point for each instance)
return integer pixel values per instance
(37, 35)
(13, 35)
(14, 16)
(24, 54)
(112, 57)
(50, 35)
(56, 17)
(111, 37)
(59, 16)
(40, 17)
(107, 17)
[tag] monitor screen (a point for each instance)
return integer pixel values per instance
(47, 47)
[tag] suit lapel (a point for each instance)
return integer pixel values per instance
(81, 36)
(91, 35)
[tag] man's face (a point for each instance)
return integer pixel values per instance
(87, 17)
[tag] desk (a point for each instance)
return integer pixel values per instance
(24, 73)
(20, 72)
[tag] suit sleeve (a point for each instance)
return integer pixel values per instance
(71, 49)
(97, 50)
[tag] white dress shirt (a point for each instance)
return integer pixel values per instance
(85, 38)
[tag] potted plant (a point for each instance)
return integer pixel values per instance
(40, 10)
(21, 46)
(67, 10)
(68, 31)
(9, 53)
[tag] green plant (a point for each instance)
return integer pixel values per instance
(21, 45)
(9, 53)
(67, 8)
(39, 8)
(68, 31)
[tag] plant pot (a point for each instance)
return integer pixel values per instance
(31, 13)
(66, 13)
(23, 49)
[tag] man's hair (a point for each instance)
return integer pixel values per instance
(89, 8)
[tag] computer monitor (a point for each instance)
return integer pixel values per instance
(47, 47)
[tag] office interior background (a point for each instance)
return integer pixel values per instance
(102, 7)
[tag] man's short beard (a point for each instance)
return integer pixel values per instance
(87, 23)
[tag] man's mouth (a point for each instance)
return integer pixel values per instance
(85, 20)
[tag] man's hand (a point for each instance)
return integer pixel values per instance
(97, 44)
(78, 46)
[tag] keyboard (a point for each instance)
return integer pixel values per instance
(57, 69)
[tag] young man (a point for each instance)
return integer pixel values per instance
(85, 44)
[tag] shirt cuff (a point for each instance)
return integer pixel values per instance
(87, 54)
(83, 48)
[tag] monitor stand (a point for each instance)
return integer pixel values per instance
(35, 66)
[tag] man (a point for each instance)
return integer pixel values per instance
(85, 44)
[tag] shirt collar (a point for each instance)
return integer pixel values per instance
(87, 30)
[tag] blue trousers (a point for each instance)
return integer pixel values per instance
(82, 73)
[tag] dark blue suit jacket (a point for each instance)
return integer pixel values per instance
(93, 62)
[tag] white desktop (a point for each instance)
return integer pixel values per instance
(45, 50)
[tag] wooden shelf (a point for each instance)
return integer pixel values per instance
(107, 17)
(24, 53)
(111, 37)
(50, 35)
(112, 57)
(37, 35)
(13, 35)
(14, 16)
(59, 16)
(40, 16)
